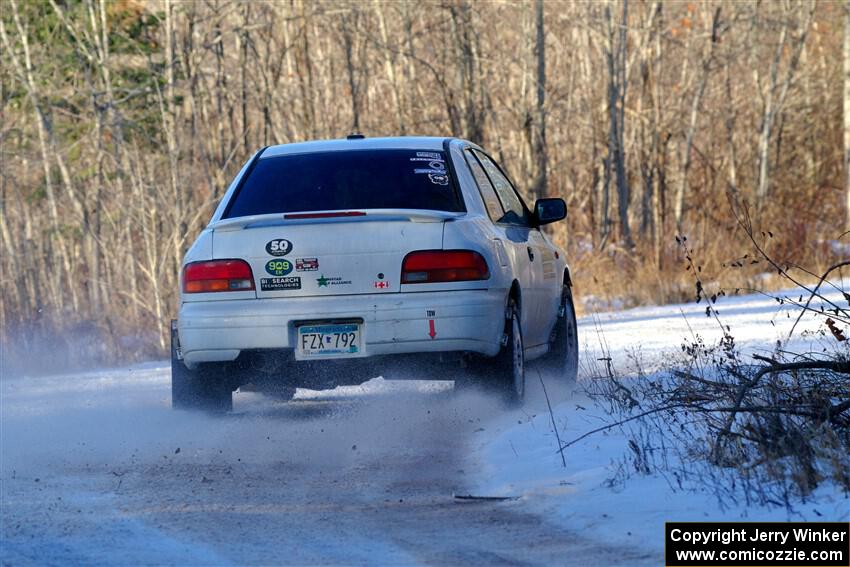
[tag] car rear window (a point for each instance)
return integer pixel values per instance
(346, 180)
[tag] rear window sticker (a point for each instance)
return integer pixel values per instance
(439, 160)
(438, 178)
(436, 170)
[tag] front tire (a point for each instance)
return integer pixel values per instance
(205, 388)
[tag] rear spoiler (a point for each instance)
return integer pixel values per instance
(319, 217)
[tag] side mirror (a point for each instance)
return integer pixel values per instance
(549, 210)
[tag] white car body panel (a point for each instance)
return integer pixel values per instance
(356, 249)
(393, 323)
(397, 318)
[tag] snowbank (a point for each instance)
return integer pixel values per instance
(596, 494)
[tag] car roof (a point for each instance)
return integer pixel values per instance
(432, 143)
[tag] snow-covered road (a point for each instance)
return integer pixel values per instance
(96, 469)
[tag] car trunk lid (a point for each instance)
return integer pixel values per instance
(328, 252)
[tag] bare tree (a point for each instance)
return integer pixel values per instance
(705, 69)
(776, 91)
(348, 29)
(616, 49)
(120, 135)
(541, 180)
(846, 103)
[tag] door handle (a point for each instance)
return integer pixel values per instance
(530, 253)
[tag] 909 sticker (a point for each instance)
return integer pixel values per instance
(279, 267)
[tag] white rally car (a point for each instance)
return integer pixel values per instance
(332, 262)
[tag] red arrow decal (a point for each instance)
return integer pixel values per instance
(431, 332)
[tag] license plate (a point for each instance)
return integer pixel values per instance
(332, 340)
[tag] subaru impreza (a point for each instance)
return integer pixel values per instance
(331, 262)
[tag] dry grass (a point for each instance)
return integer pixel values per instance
(616, 278)
(769, 429)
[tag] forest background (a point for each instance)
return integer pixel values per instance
(123, 122)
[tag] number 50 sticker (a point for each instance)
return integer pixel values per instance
(279, 247)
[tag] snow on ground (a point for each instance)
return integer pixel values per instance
(654, 334)
(95, 468)
(520, 458)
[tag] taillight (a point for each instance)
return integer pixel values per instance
(430, 266)
(217, 275)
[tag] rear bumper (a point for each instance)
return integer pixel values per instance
(398, 323)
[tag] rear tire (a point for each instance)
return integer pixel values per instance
(265, 373)
(205, 388)
(563, 353)
(505, 373)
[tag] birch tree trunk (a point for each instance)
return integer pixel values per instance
(846, 101)
(541, 156)
(775, 99)
(708, 59)
(390, 55)
(616, 56)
